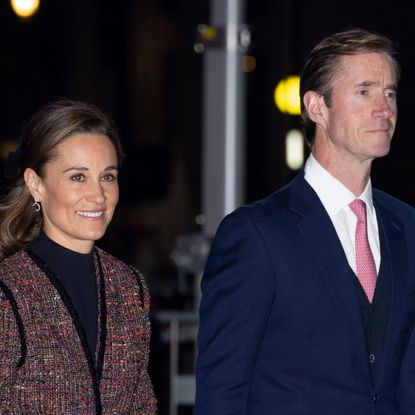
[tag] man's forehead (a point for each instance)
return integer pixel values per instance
(367, 67)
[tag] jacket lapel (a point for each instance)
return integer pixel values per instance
(72, 318)
(321, 237)
(396, 247)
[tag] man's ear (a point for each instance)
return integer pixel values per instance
(34, 184)
(315, 106)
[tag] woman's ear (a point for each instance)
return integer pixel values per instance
(33, 182)
(315, 106)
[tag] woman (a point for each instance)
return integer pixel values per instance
(74, 325)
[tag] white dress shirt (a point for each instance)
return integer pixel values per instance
(335, 198)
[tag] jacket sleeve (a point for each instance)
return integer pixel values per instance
(238, 289)
(406, 387)
(10, 347)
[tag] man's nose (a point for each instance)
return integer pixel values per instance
(384, 107)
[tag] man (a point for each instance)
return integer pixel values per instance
(308, 296)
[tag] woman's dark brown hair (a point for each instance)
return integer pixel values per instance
(53, 123)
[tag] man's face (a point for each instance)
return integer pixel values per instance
(359, 124)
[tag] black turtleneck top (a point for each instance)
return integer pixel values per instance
(76, 273)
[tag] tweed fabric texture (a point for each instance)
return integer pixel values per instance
(46, 366)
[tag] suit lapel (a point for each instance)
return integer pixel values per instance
(396, 248)
(321, 237)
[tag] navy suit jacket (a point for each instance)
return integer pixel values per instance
(280, 325)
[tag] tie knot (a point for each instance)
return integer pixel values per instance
(358, 207)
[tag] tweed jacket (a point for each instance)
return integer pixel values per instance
(46, 366)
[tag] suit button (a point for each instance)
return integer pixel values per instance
(372, 358)
(375, 398)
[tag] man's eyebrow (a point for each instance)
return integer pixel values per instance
(370, 83)
(394, 87)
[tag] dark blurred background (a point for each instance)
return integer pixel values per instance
(135, 59)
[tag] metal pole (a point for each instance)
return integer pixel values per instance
(223, 135)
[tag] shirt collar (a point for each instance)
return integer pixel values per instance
(332, 193)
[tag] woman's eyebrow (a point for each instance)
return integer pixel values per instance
(86, 168)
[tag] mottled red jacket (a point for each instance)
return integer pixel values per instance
(46, 366)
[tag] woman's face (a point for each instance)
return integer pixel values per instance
(79, 191)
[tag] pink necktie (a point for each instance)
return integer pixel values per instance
(365, 264)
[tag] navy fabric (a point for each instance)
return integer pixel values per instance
(281, 328)
(375, 315)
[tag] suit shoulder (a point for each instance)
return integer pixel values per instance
(15, 258)
(274, 206)
(111, 260)
(114, 263)
(123, 275)
(394, 204)
(12, 267)
(274, 202)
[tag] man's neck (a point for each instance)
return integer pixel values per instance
(353, 175)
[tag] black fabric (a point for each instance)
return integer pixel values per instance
(375, 315)
(76, 273)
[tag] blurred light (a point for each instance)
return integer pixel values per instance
(294, 149)
(199, 47)
(208, 36)
(25, 8)
(207, 32)
(287, 95)
(248, 63)
(200, 219)
(244, 38)
(6, 147)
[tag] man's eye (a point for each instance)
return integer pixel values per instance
(363, 92)
(390, 94)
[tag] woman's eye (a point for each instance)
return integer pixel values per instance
(109, 177)
(78, 177)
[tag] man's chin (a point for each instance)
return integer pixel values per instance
(381, 152)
